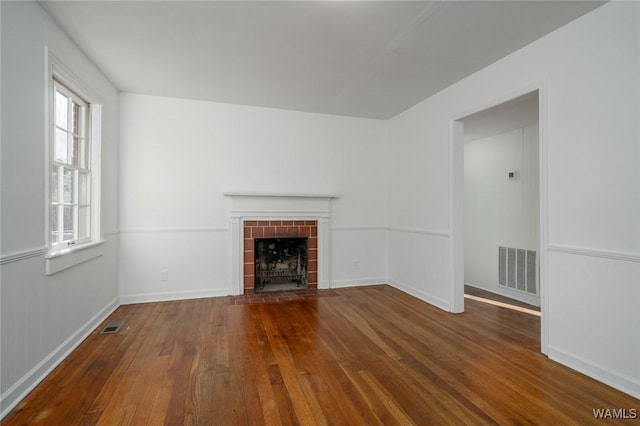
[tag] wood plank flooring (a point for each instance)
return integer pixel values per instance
(364, 356)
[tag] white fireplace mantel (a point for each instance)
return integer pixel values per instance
(278, 206)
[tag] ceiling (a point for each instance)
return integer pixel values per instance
(369, 59)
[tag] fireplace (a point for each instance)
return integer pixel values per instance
(280, 264)
(280, 255)
(262, 215)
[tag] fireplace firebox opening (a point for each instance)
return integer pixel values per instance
(280, 264)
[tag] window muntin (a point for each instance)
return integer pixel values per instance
(70, 216)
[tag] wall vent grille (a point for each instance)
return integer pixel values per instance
(112, 327)
(518, 269)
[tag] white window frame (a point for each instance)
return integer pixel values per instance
(62, 256)
(76, 170)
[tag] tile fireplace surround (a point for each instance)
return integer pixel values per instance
(291, 214)
(256, 229)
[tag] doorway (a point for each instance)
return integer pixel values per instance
(501, 207)
(498, 204)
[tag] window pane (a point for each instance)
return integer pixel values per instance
(67, 185)
(67, 233)
(61, 110)
(54, 223)
(61, 147)
(73, 157)
(83, 188)
(83, 222)
(54, 184)
(75, 110)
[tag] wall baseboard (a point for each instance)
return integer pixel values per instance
(171, 296)
(357, 282)
(426, 297)
(29, 381)
(623, 383)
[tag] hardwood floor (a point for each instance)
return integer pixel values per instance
(368, 355)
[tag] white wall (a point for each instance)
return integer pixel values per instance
(499, 211)
(588, 71)
(43, 317)
(179, 156)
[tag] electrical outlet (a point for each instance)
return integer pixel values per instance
(356, 264)
(164, 275)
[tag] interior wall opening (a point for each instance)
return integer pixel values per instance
(497, 205)
(501, 201)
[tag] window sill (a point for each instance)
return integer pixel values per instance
(72, 256)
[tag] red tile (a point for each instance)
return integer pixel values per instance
(257, 232)
(303, 231)
(263, 223)
(249, 256)
(275, 223)
(287, 223)
(312, 254)
(247, 232)
(281, 231)
(248, 269)
(314, 231)
(312, 266)
(248, 283)
(311, 222)
(313, 243)
(248, 244)
(292, 231)
(250, 223)
(298, 222)
(269, 231)
(313, 278)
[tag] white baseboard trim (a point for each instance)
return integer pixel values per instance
(357, 282)
(426, 297)
(170, 296)
(29, 381)
(623, 383)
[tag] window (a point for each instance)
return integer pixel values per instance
(70, 218)
(74, 145)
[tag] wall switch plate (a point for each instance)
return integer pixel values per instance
(164, 275)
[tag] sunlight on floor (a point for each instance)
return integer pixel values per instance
(502, 305)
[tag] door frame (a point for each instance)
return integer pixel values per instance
(456, 202)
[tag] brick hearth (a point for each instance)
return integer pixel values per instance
(280, 229)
